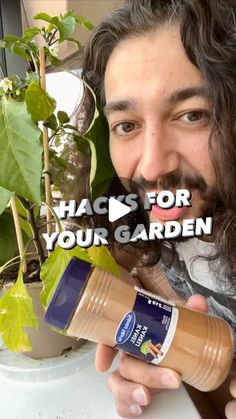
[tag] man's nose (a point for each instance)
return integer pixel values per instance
(158, 156)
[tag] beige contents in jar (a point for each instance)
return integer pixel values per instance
(202, 347)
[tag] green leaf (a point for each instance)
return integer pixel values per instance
(8, 242)
(57, 140)
(16, 312)
(43, 16)
(84, 22)
(101, 257)
(71, 127)
(75, 41)
(39, 104)
(65, 26)
(9, 41)
(17, 80)
(17, 49)
(93, 168)
(30, 76)
(24, 224)
(63, 118)
(51, 122)
(53, 60)
(104, 171)
(20, 151)
(30, 33)
(82, 145)
(5, 197)
(59, 161)
(53, 268)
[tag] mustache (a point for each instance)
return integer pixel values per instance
(175, 179)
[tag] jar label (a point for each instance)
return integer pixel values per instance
(148, 330)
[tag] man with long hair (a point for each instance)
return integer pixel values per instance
(164, 73)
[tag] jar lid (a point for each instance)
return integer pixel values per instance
(66, 295)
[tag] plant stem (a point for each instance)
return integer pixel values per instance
(35, 231)
(54, 134)
(18, 233)
(45, 147)
(54, 42)
(51, 38)
(36, 237)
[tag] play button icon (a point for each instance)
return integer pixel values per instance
(124, 206)
(116, 209)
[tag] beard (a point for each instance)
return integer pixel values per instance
(208, 198)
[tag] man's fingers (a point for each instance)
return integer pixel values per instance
(104, 357)
(147, 374)
(129, 397)
(230, 410)
(232, 387)
(197, 302)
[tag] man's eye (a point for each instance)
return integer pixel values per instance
(195, 117)
(123, 128)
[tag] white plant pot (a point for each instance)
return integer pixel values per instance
(46, 342)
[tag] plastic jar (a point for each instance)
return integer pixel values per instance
(93, 304)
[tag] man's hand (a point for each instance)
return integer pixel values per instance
(134, 382)
(230, 410)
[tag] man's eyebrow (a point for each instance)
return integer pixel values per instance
(119, 105)
(184, 94)
(169, 100)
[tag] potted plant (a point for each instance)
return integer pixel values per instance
(27, 154)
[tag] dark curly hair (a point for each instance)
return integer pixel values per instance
(208, 34)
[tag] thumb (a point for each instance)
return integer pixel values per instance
(197, 302)
(104, 357)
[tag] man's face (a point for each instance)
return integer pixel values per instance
(158, 115)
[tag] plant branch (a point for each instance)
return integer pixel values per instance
(18, 232)
(51, 38)
(33, 56)
(34, 62)
(35, 231)
(54, 42)
(36, 237)
(44, 224)
(54, 134)
(45, 146)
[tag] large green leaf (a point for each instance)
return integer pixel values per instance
(39, 104)
(30, 33)
(20, 151)
(16, 312)
(43, 16)
(8, 242)
(68, 27)
(104, 172)
(54, 267)
(5, 196)
(9, 42)
(17, 49)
